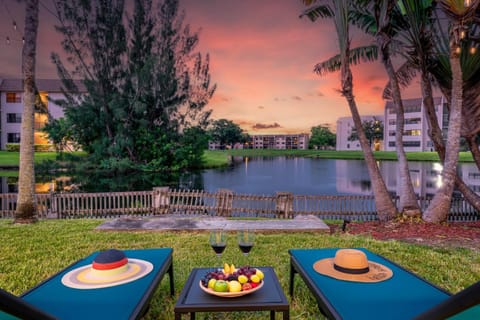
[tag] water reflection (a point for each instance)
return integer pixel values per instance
(328, 176)
(264, 176)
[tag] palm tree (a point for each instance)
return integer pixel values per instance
(26, 209)
(460, 15)
(339, 11)
(384, 30)
(420, 42)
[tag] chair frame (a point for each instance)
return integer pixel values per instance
(23, 309)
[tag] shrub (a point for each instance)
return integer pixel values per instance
(15, 147)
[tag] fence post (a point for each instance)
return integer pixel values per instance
(161, 200)
(224, 202)
(284, 203)
(53, 206)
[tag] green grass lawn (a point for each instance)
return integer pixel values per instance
(11, 159)
(219, 158)
(215, 158)
(32, 253)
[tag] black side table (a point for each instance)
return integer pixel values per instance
(269, 298)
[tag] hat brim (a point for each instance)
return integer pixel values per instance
(83, 278)
(377, 272)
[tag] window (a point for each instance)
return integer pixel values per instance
(415, 132)
(410, 109)
(14, 118)
(392, 122)
(13, 97)
(13, 137)
(391, 144)
(413, 121)
(473, 175)
(411, 143)
(391, 133)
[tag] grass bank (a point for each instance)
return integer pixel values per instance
(215, 158)
(52, 245)
(220, 158)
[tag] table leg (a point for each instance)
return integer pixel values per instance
(170, 275)
(272, 314)
(192, 315)
(292, 275)
(286, 315)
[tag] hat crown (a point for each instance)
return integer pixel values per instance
(351, 259)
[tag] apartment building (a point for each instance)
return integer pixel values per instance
(345, 127)
(415, 134)
(11, 109)
(279, 141)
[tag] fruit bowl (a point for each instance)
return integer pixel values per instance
(230, 294)
(231, 282)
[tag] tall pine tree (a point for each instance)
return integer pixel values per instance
(146, 85)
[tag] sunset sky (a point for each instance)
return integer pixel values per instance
(261, 58)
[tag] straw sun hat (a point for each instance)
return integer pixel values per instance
(109, 268)
(352, 265)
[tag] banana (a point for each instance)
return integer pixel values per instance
(226, 268)
(229, 269)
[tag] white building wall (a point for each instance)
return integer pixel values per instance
(280, 141)
(415, 135)
(47, 87)
(17, 108)
(345, 127)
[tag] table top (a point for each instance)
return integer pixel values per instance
(194, 299)
(124, 301)
(403, 296)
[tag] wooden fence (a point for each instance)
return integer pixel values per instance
(224, 202)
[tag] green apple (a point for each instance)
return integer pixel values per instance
(220, 286)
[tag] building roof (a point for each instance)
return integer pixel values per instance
(48, 85)
(363, 117)
(413, 102)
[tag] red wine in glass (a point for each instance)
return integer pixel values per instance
(219, 248)
(218, 242)
(245, 247)
(245, 241)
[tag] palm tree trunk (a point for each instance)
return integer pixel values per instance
(435, 134)
(408, 204)
(439, 208)
(383, 201)
(434, 131)
(26, 210)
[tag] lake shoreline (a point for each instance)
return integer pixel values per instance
(221, 158)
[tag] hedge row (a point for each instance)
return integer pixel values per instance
(15, 147)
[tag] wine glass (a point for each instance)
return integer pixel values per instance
(218, 242)
(246, 239)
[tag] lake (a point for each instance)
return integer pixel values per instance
(326, 176)
(266, 176)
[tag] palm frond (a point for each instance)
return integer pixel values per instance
(362, 18)
(405, 75)
(357, 56)
(318, 11)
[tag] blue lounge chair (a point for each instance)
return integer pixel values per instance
(51, 299)
(403, 296)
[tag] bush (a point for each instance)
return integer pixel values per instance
(15, 147)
